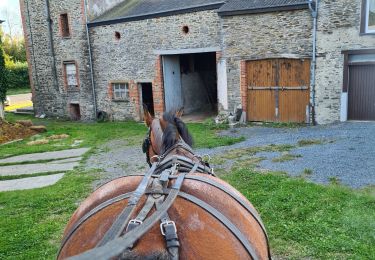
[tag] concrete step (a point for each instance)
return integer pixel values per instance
(25, 110)
(22, 113)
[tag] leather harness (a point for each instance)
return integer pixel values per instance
(125, 232)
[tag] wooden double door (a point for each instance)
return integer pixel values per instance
(278, 90)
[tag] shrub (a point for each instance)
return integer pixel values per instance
(18, 76)
(3, 75)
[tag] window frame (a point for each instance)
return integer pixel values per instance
(365, 16)
(126, 91)
(69, 35)
(67, 86)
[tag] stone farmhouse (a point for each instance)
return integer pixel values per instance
(279, 60)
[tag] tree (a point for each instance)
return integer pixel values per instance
(3, 80)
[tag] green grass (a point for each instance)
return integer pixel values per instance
(306, 142)
(93, 134)
(286, 156)
(32, 221)
(309, 221)
(18, 91)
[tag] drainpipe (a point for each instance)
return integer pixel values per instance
(90, 61)
(314, 14)
(52, 49)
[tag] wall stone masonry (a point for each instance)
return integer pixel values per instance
(51, 99)
(338, 30)
(261, 36)
(133, 57)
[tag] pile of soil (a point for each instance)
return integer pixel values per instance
(10, 131)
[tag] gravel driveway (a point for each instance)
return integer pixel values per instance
(346, 153)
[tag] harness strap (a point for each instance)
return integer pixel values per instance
(237, 198)
(124, 217)
(118, 245)
(224, 220)
(90, 214)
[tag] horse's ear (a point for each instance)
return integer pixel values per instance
(147, 116)
(163, 123)
(180, 112)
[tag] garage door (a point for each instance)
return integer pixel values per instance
(361, 102)
(278, 90)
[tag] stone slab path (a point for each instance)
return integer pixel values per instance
(27, 169)
(45, 156)
(24, 165)
(30, 183)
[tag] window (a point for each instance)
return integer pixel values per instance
(64, 24)
(120, 91)
(368, 16)
(71, 74)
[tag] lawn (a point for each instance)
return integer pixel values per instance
(304, 220)
(94, 134)
(309, 221)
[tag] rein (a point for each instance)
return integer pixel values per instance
(161, 184)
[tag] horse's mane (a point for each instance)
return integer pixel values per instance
(175, 127)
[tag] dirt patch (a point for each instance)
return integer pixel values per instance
(10, 132)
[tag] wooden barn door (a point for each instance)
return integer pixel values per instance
(278, 90)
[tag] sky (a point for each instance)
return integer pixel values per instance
(10, 12)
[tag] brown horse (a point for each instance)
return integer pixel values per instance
(176, 210)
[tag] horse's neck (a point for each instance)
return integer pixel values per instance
(183, 150)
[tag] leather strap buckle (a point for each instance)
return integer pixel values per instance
(165, 223)
(133, 223)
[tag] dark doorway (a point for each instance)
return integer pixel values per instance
(147, 97)
(75, 112)
(199, 83)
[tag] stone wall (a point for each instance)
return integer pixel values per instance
(338, 29)
(51, 96)
(260, 36)
(133, 58)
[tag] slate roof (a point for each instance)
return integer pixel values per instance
(235, 7)
(130, 10)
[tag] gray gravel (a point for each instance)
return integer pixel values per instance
(347, 153)
(115, 159)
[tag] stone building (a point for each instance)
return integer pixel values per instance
(87, 57)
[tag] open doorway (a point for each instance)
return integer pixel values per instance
(190, 80)
(75, 112)
(147, 97)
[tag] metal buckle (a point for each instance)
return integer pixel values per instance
(206, 158)
(135, 222)
(167, 223)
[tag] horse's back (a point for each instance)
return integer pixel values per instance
(202, 233)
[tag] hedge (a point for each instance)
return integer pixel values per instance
(18, 75)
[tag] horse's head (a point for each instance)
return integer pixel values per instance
(163, 133)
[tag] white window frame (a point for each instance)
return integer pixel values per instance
(66, 64)
(368, 18)
(120, 93)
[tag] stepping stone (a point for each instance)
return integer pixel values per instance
(45, 156)
(25, 169)
(30, 183)
(75, 159)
